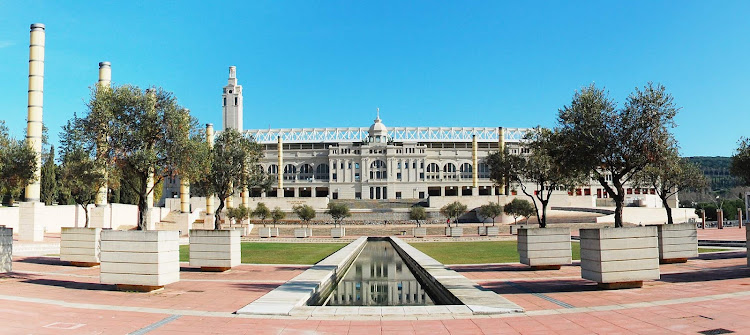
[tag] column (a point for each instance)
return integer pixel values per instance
(100, 215)
(280, 181)
(30, 223)
(474, 166)
(501, 148)
(209, 219)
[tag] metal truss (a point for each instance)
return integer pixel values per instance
(398, 134)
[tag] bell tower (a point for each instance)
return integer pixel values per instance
(232, 102)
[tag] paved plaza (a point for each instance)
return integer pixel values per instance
(46, 296)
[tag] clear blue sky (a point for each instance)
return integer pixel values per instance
(431, 63)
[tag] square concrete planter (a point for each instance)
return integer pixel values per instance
(300, 232)
(264, 232)
(515, 227)
(139, 260)
(677, 242)
(338, 232)
(6, 249)
(544, 248)
(482, 231)
(309, 232)
(274, 231)
(620, 257)
(80, 246)
(419, 232)
(454, 231)
(493, 231)
(215, 250)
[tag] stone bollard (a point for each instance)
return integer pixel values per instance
(703, 219)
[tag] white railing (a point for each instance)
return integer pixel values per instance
(398, 134)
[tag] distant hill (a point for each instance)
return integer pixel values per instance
(716, 170)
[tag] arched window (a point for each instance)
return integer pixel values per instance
(449, 171)
(290, 172)
(305, 172)
(321, 172)
(483, 171)
(273, 169)
(466, 170)
(378, 170)
(433, 171)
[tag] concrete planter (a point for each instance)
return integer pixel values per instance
(80, 246)
(6, 249)
(309, 232)
(747, 243)
(482, 231)
(274, 232)
(454, 231)
(544, 248)
(677, 242)
(139, 260)
(419, 232)
(300, 232)
(620, 257)
(493, 231)
(264, 232)
(515, 227)
(338, 232)
(215, 250)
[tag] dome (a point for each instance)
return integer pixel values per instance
(378, 129)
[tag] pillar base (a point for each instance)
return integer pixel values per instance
(209, 221)
(100, 217)
(184, 223)
(30, 221)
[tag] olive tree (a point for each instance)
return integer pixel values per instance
(670, 175)
(17, 164)
(453, 211)
(519, 208)
(338, 212)
(607, 142)
(417, 213)
(491, 210)
(232, 166)
(261, 211)
(304, 212)
(81, 175)
(740, 164)
(142, 136)
(277, 215)
(538, 171)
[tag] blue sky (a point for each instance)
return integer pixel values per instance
(424, 63)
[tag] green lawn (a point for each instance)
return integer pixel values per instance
(701, 250)
(279, 253)
(476, 252)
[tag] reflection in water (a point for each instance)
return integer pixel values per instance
(379, 277)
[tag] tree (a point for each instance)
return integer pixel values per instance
(262, 212)
(277, 215)
(518, 208)
(81, 174)
(452, 211)
(338, 212)
(539, 167)
(17, 164)
(740, 164)
(597, 138)
(491, 210)
(228, 161)
(304, 212)
(238, 214)
(49, 187)
(669, 176)
(417, 213)
(147, 135)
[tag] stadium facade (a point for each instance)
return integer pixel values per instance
(387, 163)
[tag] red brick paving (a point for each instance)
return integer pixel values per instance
(701, 279)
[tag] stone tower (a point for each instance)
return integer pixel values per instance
(232, 102)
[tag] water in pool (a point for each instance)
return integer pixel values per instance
(379, 277)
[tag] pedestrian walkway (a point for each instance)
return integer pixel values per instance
(46, 296)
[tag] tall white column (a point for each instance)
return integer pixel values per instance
(100, 215)
(30, 223)
(280, 189)
(209, 218)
